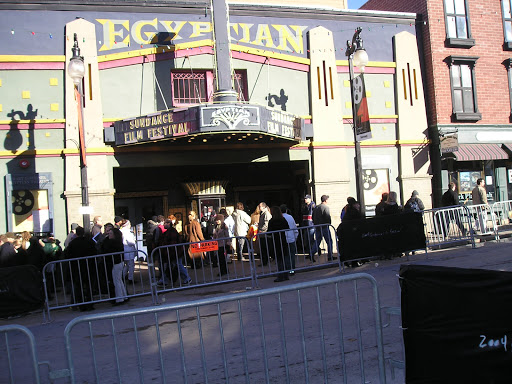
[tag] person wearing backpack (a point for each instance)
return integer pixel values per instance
(414, 204)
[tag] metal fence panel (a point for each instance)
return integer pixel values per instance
(18, 355)
(448, 226)
(310, 332)
(484, 219)
(88, 280)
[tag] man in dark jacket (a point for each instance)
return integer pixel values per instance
(307, 221)
(82, 270)
(450, 199)
(322, 216)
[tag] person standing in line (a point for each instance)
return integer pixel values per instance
(71, 235)
(174, 255)
(414, 204)
(113, 244)
(242, 222)
(379, 208)
(265, 217)
(130, 250)
(278, 247)
(451, 199)
(479, 196)
(230, 223)
(322, 217)
(97, 226)
(221, 231)
(291, 237)
(193, 233)
(82, 270)
(307, 222)
(391, 206)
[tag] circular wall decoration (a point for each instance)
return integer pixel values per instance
(370, 179)
(22, 202)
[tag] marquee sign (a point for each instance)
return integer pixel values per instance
(203, 119)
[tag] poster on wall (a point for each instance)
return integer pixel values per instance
(375, 183)
(30, 211)
(30, 196)
(467, 181)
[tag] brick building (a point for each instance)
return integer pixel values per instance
(466, 67)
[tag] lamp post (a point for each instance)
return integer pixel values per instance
(356, 56)
(76, 70)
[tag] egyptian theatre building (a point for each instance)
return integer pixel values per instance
(197, 105)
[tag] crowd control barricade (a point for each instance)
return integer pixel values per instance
(88, 280)
(448, 225)
(18, 355)
(327, 331)
(503, 214)
(314, 247)
(203, 263)
(484, 220)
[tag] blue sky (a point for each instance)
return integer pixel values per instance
(355, 4)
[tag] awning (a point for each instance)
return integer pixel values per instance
(470, 152)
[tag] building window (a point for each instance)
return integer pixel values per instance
(507, 23)
(458, 28)
(464, 99)
(190, 87)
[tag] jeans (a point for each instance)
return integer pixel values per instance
(323, 232)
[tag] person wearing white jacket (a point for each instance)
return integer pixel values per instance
(242, 222)
(130, 250)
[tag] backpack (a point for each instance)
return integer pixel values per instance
(412, 206)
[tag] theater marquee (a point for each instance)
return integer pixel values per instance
(208, 119)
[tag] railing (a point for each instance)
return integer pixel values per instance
(88, 280)
(484, 220)
(18, 355)
(448, 226)
(309, 332)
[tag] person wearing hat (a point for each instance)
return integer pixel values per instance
(307, 221)
(414, 204)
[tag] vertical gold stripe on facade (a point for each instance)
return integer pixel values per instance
(415, 84)
(319, 84)
(330, 81)
(325, 85)
(405, 84)
(410, 82)
(90, 81)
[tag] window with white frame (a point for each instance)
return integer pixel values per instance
(458, 28)
(463, 84)
(507, 23)
(196, 87)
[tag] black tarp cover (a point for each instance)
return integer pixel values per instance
(381, 235)
(21, 290)
(457, 324)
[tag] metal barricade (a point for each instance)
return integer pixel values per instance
(18, 355)
(203, 263)
(484, 220)
(315, 247)
(503, 214)
(449, 225)
(309, 332)
(88, 280)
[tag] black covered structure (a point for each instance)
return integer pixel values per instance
(457, 325)
(381, 235)
(21, 290)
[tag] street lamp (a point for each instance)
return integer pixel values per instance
(357, 56)
(76, 70)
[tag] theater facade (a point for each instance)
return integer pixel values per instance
(163, 134)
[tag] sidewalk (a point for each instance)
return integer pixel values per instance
(489, 255)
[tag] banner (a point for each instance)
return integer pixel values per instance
(456, 325)
(381, 235)
(362, 118)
